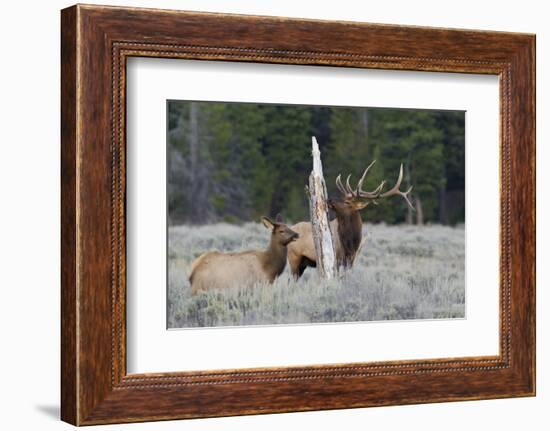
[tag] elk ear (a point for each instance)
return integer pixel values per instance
(279, 218)
(268, 223)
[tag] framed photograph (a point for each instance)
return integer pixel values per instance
(263, 214)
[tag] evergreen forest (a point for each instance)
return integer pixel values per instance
(234, 162)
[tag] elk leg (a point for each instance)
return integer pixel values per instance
(294, 260)
(304, 263)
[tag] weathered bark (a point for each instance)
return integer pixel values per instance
(322, 236)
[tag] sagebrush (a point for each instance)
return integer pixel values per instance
(403, 272)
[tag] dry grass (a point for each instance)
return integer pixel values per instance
(403, 272)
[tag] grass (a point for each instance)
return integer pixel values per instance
(403, 272)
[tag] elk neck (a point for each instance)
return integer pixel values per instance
(350, 233)
(274, 259)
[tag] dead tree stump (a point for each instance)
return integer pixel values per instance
(322, 236)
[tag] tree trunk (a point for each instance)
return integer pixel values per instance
(199, 172)
(443, 213)
(419, 212)
(194, 158)
(322, 236)
(365, 127)
(409, 217)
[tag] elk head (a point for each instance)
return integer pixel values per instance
(280, 232)
(354, 200)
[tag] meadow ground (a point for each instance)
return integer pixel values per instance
(403, 272)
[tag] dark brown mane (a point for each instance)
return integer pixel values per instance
(350, 234)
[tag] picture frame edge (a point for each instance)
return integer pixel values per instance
(94, 385)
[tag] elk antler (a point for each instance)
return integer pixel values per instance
(370, 195)
(395, 189)
(339, 185)
(349, 192)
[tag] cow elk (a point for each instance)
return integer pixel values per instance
(217, 270)
(346, 228)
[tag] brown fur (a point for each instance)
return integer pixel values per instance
(346, 231)
(217, 270)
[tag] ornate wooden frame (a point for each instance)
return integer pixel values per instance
(95, 43)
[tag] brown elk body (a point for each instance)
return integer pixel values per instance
(217, 270)
(346, 228)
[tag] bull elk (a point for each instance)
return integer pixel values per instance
(346, 228)
(217, 270)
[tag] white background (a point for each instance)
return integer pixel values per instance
(29, 224)
(151, 348)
